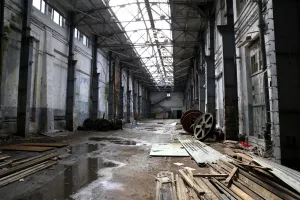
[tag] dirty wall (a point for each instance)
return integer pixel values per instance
(49, 73)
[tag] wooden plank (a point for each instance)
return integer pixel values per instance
(28, 164)
(25, 148)
(278, 187)
(229, 152)
(164, 188)
(183, 189)
(26, 159)
(240, 192)
(228, 190)
(264, 190)
(212, 188)
(59, 145)
(257, 186)
(179, 193)
(254, 166)
(210, 175)
(208, 193)
(244, 156)
(252, 194)
(228, 179)
(174, 187)
(4, 157)
(27, 172)
(191, 183)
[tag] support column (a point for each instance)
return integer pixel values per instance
(134, 96)
(111, 98)
(201, 82)
(47, 109)
(121, 94)
(95, 81)
(229, 76)
(25, 73)
(128, 98)
(70, 105)
(1, 60)
(210, 84)
(139, 99)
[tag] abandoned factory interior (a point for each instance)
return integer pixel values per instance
(149, 99)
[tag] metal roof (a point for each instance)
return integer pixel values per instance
(156, 39)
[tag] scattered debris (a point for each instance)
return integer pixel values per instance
(178, 164)
(16, 170)
(101, 124)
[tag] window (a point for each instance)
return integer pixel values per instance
(255, 58)
(57, 18)
(77, 34)
(40, 5)
(85, 41)
(37, 4)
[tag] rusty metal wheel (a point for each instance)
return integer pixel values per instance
(189, 118)
(203, 126)
(186, 113)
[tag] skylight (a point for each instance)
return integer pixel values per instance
(149, 30)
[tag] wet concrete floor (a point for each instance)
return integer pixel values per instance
(104, 165)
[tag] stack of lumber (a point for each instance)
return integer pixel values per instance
(16, 169)
(238, 177)
(33, 147)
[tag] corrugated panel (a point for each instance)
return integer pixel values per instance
(287, 175)
(201, 153)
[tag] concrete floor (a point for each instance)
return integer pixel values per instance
(105, 165)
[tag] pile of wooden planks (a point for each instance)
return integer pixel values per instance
(33, 147)
(237, 177)
(17, 169)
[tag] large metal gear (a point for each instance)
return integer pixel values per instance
(203, 126)
(188, 119)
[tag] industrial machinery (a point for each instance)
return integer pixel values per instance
(198, 123)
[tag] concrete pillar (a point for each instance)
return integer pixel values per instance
(47, 110)
(25, 73)
(210, 84)
(134, 96)
(229, 75)
(1, 60)
(128, 98)
(95, 81)
(201, 82)
(121, 94)
(70, 105)
(111, 98)
(139, 99)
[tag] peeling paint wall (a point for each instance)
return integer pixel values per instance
(49, 73)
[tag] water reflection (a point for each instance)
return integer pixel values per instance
(73, 177)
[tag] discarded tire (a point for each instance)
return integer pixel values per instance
(102, 125)
(88, 124)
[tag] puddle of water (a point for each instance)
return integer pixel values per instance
(114, 140)
(96, 190)
(72, 178)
